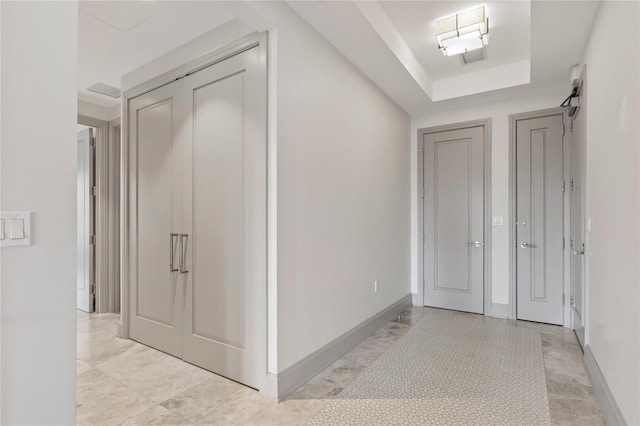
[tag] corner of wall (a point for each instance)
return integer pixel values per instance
(287, 381)
(608, 405)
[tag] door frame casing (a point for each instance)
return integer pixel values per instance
(254, 40)
(113, 295)
(486, 125)
(103, 227)
(566, 176)
(582, 187)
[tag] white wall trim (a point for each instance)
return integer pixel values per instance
(416, 299)
(500, 310)
(113, 218)
(608, 405)
(270, 387)
(486, 125)
(299, 373)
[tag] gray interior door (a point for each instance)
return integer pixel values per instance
(224, 214)
(155, 209)
(453, 221)
(578, 160)
(539, 217)
(85, 222)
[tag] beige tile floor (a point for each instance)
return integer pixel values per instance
(123, 382)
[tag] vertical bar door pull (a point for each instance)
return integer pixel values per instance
(172, 251)
(183, 252)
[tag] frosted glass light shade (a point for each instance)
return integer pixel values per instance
(464, 43)
(463, 32)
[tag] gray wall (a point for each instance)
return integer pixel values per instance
(39, 45)
(343, 193)
(613, 201)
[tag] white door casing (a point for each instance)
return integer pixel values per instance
(85, 222)
(577, 232)
(539, 219)
(454, 219)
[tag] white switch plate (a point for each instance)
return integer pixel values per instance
(11, 229)
(498, 220)
(16, 229)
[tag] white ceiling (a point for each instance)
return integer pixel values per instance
(509, 25)
(532, 44)
(115, 37)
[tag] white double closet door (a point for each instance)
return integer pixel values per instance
(453, 221)
(198, 218)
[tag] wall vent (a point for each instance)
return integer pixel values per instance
(105, 89)
(473, 56)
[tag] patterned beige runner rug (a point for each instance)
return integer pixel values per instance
(449, 369)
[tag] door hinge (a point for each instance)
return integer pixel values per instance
(423, 147)
(92, 142)
(423, 192)
(571, 301)
(562, 129)
(93, 289)
(562, 299)
(563, 186)
(563, 243)
(93, 191)
(572, 185)
(92, 240)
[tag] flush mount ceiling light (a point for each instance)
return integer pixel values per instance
(463, 32)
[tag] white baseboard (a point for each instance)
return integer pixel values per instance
(610, 410)
(269, 388)
(416, 299)
(500, 310)
(299, 373)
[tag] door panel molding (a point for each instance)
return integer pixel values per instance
(513, 119)
(155, 294)
(225, 207)
(486, 125)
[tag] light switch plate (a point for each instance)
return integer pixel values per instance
(18, 229)
(498, 220)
